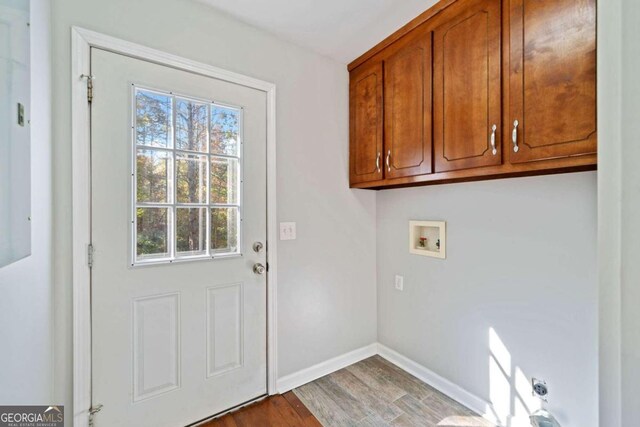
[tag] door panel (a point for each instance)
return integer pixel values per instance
(365, 98)
(175, 340)
(553, 78)
(407, 114)
(224, 328)
(467, 92)
(156, 339)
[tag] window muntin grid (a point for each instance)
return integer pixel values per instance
(186, 178)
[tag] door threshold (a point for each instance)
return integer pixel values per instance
(227, 411)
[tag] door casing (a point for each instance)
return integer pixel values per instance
(82, 41)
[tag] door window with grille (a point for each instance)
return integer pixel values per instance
(186, 178)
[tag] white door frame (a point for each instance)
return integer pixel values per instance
(82, 41)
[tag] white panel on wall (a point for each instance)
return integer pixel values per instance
(15, 139)
(224, 328)
(156, 345)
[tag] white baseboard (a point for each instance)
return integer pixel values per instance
(312, 373)
(441, 384)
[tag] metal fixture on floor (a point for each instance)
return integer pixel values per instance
(542, 418)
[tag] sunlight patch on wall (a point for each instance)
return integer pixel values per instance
(509, 387)
(499, 376)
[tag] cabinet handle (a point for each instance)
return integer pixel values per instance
(493, 139)
(378, 162)
(514, 136)
(388, 161)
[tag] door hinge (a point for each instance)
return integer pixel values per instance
(90, 255)
(92, 413)
(90, 79)
(90, 90)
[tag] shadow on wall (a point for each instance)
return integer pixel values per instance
(509, 387)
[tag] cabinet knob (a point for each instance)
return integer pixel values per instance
(494, 150)
(389, 161)
(378, 162)
(514, 136)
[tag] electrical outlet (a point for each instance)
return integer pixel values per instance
(287, 231)
(399, 283)
(540, 388)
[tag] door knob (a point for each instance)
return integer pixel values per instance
(259, 268)
(257, 246)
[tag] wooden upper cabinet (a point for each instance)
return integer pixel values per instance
(477, 89)
(407, 105)
(553, 79)
(366, 123)
(467, 92)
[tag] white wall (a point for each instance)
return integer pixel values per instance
(630, 221)
(521, 262)
(618, 211)
(26, 289)
(326, 289)
(609, 208)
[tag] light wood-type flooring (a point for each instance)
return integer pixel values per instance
(375, 392)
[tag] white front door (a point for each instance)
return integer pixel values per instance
(178, 200)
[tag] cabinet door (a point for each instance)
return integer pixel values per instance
(467, 93)
(407, 101)
(553, 79)
(365, 123)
